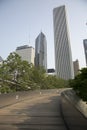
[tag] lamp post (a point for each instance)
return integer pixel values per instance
(15, 75)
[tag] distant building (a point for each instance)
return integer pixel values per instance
(76, 67)
(41, 51)
(63, 56)
(1, 60)
(85, 49)
(51, 71)
(27, 53)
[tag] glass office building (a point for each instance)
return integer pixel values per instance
(85, 49)
(41, 51)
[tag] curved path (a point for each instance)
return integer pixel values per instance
(41, 111)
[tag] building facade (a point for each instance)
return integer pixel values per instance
(63, 57)
(41, 51)
(76, 67)
(85, 49)
(1, 60)
(27, 53)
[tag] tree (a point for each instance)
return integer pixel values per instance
(18, 75)
(38, 76)
(79, 84)
(15, 70)
(55, 82)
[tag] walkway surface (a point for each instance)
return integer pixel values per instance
(42, 112)
(74, 119)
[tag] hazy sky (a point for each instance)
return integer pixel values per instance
(22, 20)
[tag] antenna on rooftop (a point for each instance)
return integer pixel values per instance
(41, 30)
(29, 39)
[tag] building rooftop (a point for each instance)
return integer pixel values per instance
(51, 70)
(22, 47)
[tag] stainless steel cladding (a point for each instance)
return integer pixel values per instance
(63, 57)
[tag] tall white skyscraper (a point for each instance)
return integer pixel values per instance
(41, 51)
(63, 57)
(27, 53)
(85, 49)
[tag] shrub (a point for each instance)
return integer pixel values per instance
(79, 84)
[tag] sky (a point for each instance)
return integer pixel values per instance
(21, 21)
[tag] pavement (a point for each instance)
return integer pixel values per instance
(78, 103)
(41, 110)
(74, 110)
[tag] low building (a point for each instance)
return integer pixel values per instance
(76, 67)
(51, 71)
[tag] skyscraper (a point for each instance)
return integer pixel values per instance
(63, 57)
(41, 51)
(85, 49)
(27, 53)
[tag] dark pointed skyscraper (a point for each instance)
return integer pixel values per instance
(41, 51)
(85, 49)
(63, 57)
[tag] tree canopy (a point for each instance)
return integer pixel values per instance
(79, 84)
(19, 75)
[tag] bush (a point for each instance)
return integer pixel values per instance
(5, 89)
(79, 84)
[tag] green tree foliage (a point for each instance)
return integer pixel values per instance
(79, 84)
(16, 72)
(55, 82)
(38, 76)
(18, 75)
